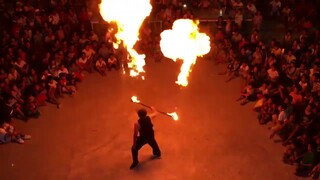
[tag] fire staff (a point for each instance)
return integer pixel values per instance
(143, 134)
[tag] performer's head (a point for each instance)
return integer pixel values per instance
(142, 113)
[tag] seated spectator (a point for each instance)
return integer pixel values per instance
(257, 57)
(104, 51)
(9, 134)
(93, 36)
(276, 50)
(219, 36)
(84, 63)
(315, 83)
(112, 62)
(307, 162)
(31, 108)
(13, 75)
(257, 20)
(244, 73)
(232, 70)
(89, 52)
(267, 110)
(228, 27)
(315, 172)
(238, 18)
(247, 95)
(251, 7)
(101, 66)
(289, 70)
(236, 37)
(286, 10)
(275, 7)
(40, 94)
(21, 66)
(290, 57)
(273, 74)
(278, 119)
(65, 86)
(255, 37)
(52, 92)
(236, 4)
(220, 23)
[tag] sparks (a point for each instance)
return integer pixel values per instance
(128, 15)
(184, 42)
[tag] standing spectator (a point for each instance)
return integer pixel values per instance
(257, 20)
(275, 7)
(238, 18)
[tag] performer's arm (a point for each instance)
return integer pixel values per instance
(135, 133)
(153, 113)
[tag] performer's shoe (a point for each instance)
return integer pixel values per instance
(134, 164)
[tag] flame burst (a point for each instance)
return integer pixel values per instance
(128, 15)
(184, 42)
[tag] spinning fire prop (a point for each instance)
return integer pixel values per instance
(173, 115)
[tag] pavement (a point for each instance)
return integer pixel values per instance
(91, 135)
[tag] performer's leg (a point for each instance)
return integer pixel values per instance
(134, 151)
(155, 148)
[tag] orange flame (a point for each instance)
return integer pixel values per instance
(128, 15)
(135, 99)
(174, 116)
(184, 42)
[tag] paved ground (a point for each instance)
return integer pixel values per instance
(91, 135)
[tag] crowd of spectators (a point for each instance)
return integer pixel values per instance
(48, 45)
(280, 76)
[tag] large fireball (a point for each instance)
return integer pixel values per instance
(184, 42)
(128, 15)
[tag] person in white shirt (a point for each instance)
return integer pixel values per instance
(84, 63)
(280, 121)
(63, 70)
(273, 74)
(101, 66)
(289, 57)
(89, 52)
(112, 62)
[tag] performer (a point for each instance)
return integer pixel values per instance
(143, 133)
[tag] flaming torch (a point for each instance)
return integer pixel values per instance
(173, 115)
(128, 15)
(184, 42)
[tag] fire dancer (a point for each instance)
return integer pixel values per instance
(143, 134)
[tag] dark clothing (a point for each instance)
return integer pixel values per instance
(146, 136)
(146, 127)
(5, 113)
